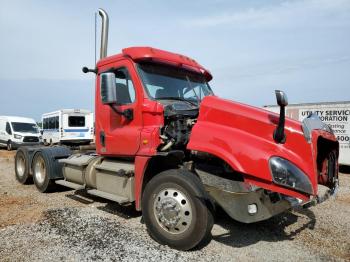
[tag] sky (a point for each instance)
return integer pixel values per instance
(250, 47)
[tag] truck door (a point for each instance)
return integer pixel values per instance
(117, 134)
(8, 131)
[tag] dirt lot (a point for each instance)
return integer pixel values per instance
(69, 225)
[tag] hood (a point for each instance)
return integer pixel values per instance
(242, 136)
(245, 117)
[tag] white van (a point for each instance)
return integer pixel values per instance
(17, 131)
(68, 126)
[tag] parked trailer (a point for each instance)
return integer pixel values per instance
(68, 126)
(16, 131)
(334, 114)
(166, 144)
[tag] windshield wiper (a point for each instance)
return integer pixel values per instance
(177, 98)
(192, 88)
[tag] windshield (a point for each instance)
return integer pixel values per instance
(24, 127)
(168, 82)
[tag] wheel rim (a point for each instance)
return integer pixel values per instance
(173, 211)
(20, 165)
(40, 170)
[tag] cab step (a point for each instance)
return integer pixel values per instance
(69, 184)
(118, 199)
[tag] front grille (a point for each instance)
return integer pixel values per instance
(30, 139)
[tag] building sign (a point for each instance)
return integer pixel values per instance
(336, 115)
(337, 119)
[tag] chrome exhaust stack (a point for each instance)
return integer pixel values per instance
(104, 32)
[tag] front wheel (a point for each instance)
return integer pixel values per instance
(177, 209)
(9, 145)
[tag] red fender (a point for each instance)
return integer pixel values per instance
(242, 135)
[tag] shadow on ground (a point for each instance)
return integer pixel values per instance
(111, 207)
(271, 230)
(238, 235)
(344, 169)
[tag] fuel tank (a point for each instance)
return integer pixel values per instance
(242, 136)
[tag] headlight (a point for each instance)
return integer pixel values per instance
(286, 174)
(17, 136)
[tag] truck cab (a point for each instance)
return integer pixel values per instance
(157, 99)
(166, 144)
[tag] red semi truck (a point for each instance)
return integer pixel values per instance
(166, 144)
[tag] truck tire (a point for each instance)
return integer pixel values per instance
(177, 210)
(9, 145)
(42, 167)
(22, 166)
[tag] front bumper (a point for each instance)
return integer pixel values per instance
(268, 204)
(323, 195)
(236, 204)
(236, 198)
(76, 141)
(16, 145)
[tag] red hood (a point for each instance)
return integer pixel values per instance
(242, 135)
(245, 117)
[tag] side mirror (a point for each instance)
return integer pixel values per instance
(281, 97)
(279, 135)
(108, 88)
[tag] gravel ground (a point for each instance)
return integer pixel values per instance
(70, 225)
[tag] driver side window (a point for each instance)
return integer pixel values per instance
(125, 87)
(8, 128)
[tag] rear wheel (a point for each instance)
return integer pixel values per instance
(41, 170)
(22, 166)
(177, 209)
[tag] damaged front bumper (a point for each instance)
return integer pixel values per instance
(323, 195)
(259, 205)
(249, 204)
(250, 207)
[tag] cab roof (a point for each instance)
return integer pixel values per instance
(138, 54)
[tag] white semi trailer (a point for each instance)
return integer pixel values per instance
(335, 114)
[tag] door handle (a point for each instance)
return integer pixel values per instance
(102, 138)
